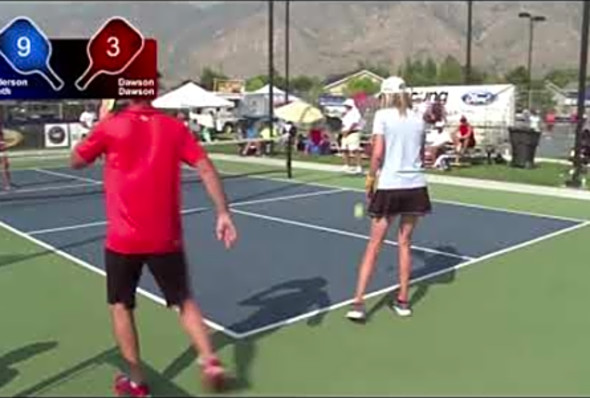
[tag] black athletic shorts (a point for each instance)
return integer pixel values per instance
(124, 270)
(392, 202)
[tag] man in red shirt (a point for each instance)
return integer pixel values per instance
(144, 149)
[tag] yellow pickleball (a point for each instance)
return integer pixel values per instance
(359, 210)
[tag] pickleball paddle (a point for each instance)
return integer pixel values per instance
(111, 50)
(28, 50)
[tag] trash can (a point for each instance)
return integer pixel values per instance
(524, 142)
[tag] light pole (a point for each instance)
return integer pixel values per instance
(468, 52)
(271, 57)
(287, 49)
(532, 19)
(575, 181)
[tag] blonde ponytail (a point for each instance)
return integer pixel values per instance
(401, 101)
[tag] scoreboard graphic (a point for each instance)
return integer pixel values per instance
(116, 62)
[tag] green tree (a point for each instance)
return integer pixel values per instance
(208, 76)
(450, 71)
(430, 72)
(480, 76)
(413, 72)
(541, 98)
(256, 82)
(362, 85)
(379, 69)
(561, 77)
(303, 84)
(259, 81)
(517, 76)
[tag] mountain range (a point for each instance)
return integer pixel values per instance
(326, 37)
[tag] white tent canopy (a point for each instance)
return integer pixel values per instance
(190, 95)
(276, 92)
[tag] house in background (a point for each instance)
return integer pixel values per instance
(336, 85)
(566, 98)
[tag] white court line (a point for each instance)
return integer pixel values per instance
(57, 174)
(343, 233)
(289, 197)
(66, 228)
(99, 271)
(450, 202)
(413, 281)
(191, 210)
(49, 188)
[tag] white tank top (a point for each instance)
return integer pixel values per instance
(404, 136)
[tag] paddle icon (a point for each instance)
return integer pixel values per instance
(111, 50)
(27, 50)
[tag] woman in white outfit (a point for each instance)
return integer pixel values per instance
(352, 121)
(396, 186)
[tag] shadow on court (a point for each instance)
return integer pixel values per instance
(8, 360)
(11, 259)
(432, 263)
(283, 300)
(159, 385)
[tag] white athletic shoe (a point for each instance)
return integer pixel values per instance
(401, 308)
(358, 170)
(357, 313)
(346, 169)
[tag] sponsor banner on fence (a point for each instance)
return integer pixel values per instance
(57, 135)
(480, 104)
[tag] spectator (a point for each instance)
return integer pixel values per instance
(535, 121)
(550, 120)
(251, 136)
(464, 136)
(351, 136)
(268, 134)
(288, 129)
(180, 115)
(88, 117)
(317, 141)
(436, 142)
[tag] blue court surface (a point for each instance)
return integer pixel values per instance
(299, 245)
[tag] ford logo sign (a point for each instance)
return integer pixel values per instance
(478, 98)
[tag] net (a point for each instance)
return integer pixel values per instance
(47, 174)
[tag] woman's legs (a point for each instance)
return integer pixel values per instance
(6, 172)
(404, 242)
(379, 228)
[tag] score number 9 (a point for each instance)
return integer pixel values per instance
(23, 45)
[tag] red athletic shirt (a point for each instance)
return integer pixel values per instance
(464, 130)
(315, 135)
(144, 150)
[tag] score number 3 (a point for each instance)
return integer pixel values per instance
(114, 49)
(23, 45)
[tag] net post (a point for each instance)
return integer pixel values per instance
(575, 181)
(287, 45)
(289, 159)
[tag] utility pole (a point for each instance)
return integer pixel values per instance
(575, 181)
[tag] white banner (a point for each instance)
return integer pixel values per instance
(57, 135)
(492, 104)
(490, 109)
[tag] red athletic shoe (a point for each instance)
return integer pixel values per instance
(125, 387)
(212, 374)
